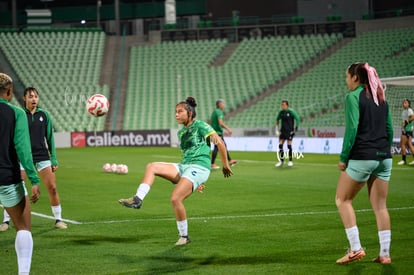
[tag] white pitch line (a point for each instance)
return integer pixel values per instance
(309, 213)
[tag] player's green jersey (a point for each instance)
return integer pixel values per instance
(15, 145)
(193, 143)
(215, 116)
(368, 128)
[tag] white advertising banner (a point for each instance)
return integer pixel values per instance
(170, 12)
(271, 144)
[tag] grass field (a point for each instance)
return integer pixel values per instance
(263, 220)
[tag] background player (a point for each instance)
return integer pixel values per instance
(406, 139)
(217, 122)
(290, 122)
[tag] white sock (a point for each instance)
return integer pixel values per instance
(6, 217)
(352, 234)
(57, 212)
(24, 250)
(143, 190)
(182, 228)
(385, 242)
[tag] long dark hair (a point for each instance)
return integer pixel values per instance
(360, 70)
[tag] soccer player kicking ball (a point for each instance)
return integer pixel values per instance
(193, 170)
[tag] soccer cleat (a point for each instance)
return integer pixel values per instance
(382, 260)
(60, 225)
(290, 163)
(233, 162)
(351, 256)
(183, 240)
(4, 226)
(134, 202)
(401, 162)
(411, 163)
(280, 163)
(215, 166)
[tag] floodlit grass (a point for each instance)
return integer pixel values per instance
(263, 220)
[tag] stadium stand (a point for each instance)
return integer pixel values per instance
(318, 94)
(172, 70)
(64, 66)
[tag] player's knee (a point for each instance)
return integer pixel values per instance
(280, 146)
(175, 200)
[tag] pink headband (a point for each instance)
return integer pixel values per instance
(374, 83)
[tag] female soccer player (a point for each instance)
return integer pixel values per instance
(15, 148)
(406, 131)
(193, 170)
(365, 158)
(43, 150)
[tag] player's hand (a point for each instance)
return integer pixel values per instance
(35, 194)
(405, 122)
(277, 133)
(341, 166)
(292, 133)
(54, 168)
(227, 172)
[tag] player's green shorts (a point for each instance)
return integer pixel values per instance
(361, 170)
(11, 195)
(40, 165)
(195, 173)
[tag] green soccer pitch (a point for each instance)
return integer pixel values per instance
(262, 220)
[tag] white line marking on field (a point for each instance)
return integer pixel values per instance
(309, 213)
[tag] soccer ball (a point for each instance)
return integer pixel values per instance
(122, 169)
(97, 105)
(107, 168)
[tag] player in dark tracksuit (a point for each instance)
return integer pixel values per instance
(290, 123)
(15, 148)
(43, 150)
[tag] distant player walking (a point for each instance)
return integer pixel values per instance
(290, 123)
(217, 122)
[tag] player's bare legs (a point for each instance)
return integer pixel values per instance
(165, 170)
(378, 191)
(346, 191)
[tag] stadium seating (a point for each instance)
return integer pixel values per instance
(318, 95)
(163, 74)
(65, 67)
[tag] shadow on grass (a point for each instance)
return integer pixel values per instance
(361, 268)
(174, 260)
(93, 240)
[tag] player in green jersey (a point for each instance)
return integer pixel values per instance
(365, 159)
(15, 148)
(217, 122)
(191, 172)
(406, 139)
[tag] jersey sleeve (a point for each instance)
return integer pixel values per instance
(205, 129)
(23, 146)
(50, 140)
(351, 125)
